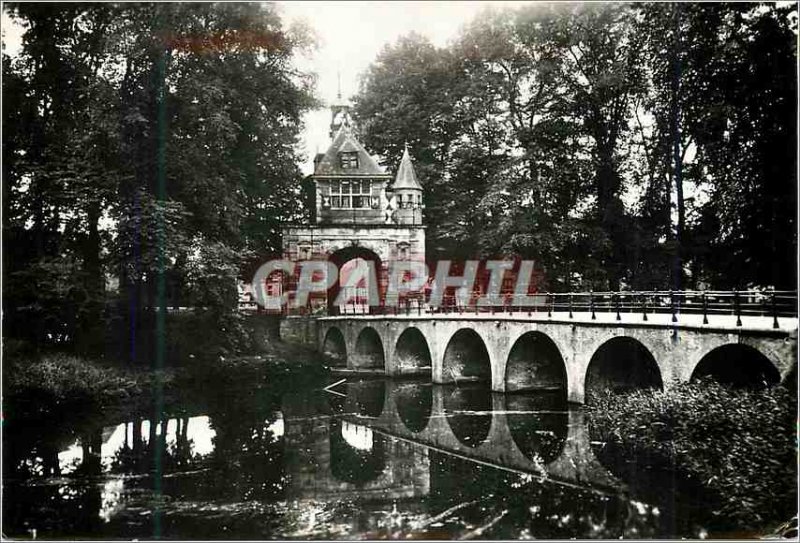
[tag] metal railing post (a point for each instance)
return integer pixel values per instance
(774, 311)
(705, 308)
(617, 297)
(672, 306)
(549, 305)
(644, 306)
(591, 305)
(736, 307)
(570, 306)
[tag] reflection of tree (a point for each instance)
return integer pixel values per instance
(71, 507)
(138, 456)
(529, 508)
(247, 463)
(683, 501)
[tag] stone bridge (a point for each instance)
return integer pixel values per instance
(520, 352)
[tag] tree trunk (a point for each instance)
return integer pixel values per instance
(90, 327)
(677, 269)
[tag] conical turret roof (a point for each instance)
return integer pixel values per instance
(406, 176)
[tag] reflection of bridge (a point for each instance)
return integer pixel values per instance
(515, 433)
(572, 351)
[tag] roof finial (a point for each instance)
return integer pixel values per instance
(339, 85)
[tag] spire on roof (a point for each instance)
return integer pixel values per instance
(406, 176)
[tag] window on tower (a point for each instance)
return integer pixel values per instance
(348, 160)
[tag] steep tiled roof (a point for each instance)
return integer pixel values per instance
(406, 177)
(346, 142)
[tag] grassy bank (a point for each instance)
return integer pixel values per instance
(740, 445)
(48, 386)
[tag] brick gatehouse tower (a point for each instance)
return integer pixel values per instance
(361, 215)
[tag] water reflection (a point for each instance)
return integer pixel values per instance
(183, 438)
(538, 424)
(374, 459)
(357, 456)
(369, 397)
(414, 404)
(468, 411)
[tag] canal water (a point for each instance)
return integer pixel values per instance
(364, 459)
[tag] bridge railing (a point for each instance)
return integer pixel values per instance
(623, 304)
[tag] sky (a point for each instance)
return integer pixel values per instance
(351, 34)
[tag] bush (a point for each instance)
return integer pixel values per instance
(57, 381)
(741, 444)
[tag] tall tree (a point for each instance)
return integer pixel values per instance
(161, 141)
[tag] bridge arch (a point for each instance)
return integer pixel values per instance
(466, 358)
(412, 350)
(621, 364)
(369, 349)
(737, 365)
(535, 363)
(334, 347)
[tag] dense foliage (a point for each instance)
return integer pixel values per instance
(620, 145)
(739, 444)
(148, 151)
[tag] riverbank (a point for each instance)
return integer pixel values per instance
(738, 445)
(44, 387)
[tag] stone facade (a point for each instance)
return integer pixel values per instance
(357, 212)
(389, 242)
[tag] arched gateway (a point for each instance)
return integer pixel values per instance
(360, 216)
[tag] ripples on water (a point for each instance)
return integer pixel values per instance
(370, 459)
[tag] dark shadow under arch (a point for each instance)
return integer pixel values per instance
(367, 397)
(342, 257)
(535, 363)
(466, 359)
(620, 365)
(538, 424)
(414, 403)
(369, 350)
(468, 411)
(411, 351)
(737, 365)
(334, 347)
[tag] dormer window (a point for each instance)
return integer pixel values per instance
(348, 160)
